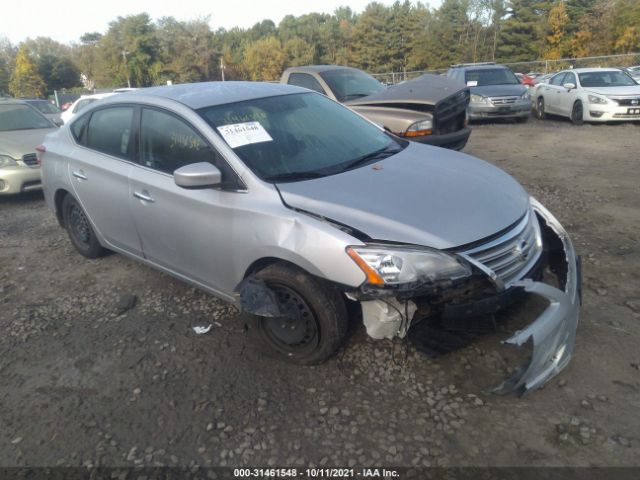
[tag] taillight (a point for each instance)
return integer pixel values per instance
(40, 150)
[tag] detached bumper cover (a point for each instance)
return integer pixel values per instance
(553, 333)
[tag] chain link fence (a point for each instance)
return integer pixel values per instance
(537, 66)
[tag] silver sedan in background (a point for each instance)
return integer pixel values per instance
(292, 207)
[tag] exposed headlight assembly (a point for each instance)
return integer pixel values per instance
(478, 99)
(525, 96)
(385, 266)
(596, 99)
(7, 161)
(423, 127)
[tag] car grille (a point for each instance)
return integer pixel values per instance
(513, 253)
(503, 100)
(627, 102)
(450, 113)
(30, 159)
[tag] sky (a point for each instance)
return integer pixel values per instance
(67, 20)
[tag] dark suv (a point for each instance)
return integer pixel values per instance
(496, 92)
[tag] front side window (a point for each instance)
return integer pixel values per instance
(558, 79)
(109, 131)
(307, 81)
(490, 76)
(168, 143)
(21, 117)
(298, 136)
(82, 103)
(347, 84)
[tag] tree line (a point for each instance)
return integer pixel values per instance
(137, 51)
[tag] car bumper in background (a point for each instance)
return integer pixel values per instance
(454, 141)
(19, 179)
(480, 111)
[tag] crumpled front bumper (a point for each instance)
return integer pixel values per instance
(553, 333)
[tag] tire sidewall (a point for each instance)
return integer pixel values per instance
(92, 249)
(575, 120)
(540, 108)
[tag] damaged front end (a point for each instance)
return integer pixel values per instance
(481, 280)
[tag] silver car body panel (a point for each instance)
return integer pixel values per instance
(401, 199)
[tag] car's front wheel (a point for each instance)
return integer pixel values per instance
(79, 229)
(313, 320)
(540, 109)
(577, 113)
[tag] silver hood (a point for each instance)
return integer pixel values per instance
(17, 143)
(423, 195)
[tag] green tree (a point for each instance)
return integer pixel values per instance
(264, 59)
(557, 44)
(521, 36)
(298, 52)
(25, 80)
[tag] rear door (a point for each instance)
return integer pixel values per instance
(99, 168)
(186, 231)
(552, 94)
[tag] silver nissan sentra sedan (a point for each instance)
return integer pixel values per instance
(292, 207)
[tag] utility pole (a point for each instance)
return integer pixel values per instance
(222, 67)
(126, 68)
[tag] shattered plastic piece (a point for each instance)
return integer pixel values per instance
(387, 318)
(553, 333)
(202, 330)
(257, 298)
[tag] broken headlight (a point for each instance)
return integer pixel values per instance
(396, 266)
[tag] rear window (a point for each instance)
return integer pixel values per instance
(109, 131)
(490, 76)
(21, 117)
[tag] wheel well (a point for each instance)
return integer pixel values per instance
(262, 263)
(58, 199)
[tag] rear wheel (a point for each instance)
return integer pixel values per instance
(79, 229)
(577, 113)
(540, 109)
(313, 321)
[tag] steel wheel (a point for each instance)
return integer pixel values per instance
(79, 225)
(540, 109)
(577, 114)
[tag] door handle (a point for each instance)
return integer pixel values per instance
(144, 195)
(79, 175)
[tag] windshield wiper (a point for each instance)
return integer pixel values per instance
(294, 176)
(385, 152)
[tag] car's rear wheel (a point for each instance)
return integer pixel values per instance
(79, 229)
(540, 109)
(313, 321)
(577, 113)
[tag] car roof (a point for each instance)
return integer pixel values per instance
(96, 95)
(591, 70)
(207, 94)
(480, 66)
(13, 101)
(319, 68)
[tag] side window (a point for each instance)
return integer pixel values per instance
(109, 131)
(78, 129)
(81, 104)
(307, 81)
(558, 79)
(168, 143)
(570, 78)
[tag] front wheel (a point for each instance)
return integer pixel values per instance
(577, 113)
(79, 229)
(313, 316)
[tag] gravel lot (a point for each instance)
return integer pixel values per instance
(90, 377)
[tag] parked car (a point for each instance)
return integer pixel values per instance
(495, 91)
(590, 95)
(22, 128)
(525, 79)
(429, 109)
(289, 205)
(81, 103)
(48, 109)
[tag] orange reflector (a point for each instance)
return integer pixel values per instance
(418, 133)
(372, 276)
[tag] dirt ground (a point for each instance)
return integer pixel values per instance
(87, 380)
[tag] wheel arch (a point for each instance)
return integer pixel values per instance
(58, 199)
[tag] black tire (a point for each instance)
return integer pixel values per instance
(80, 230)
(318, 322)
(522, 119)
(540, 109)
(577, 113)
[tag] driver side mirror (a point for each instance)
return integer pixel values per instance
(569, 86)
(197, 175)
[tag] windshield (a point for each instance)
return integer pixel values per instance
(45, 107)
(21, 117)
(490, 76)
(347, 84)
(299, 136)
(609, 78)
